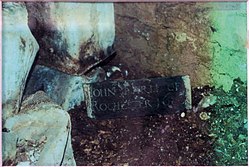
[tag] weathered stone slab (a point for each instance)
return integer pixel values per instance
(46, 125)
(138, 97)
(19, 51)
(66, 90)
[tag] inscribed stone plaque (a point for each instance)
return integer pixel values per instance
(111, 99)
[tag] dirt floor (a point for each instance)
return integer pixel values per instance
(177, 139)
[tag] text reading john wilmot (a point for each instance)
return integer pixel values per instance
(127, 96)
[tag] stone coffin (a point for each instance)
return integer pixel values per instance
(40, 134)
(73, 37)
(19, 50)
